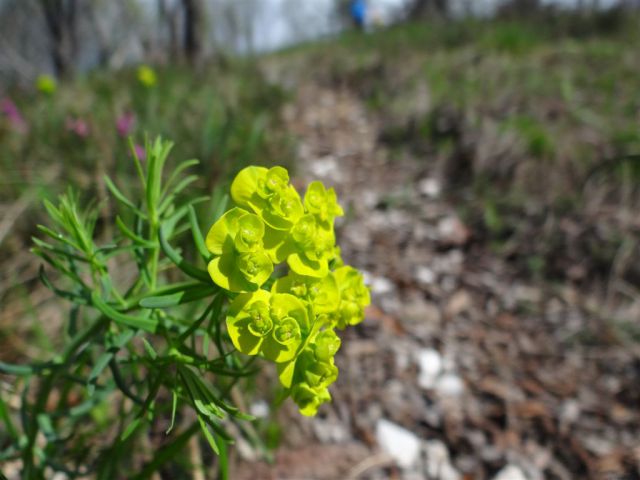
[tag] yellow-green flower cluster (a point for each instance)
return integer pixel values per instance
(293, 323)
(146, 76)
(46, 84)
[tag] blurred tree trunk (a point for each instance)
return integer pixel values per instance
(168, 17)
(60, 17)
(425, 8)
(105, 49)
(518, 8)
(193, 29)
(526, 5)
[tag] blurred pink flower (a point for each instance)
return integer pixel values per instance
(13, 115)
(125, 123)
(140, 152)
(78, 127)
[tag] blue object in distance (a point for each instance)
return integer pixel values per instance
(359, 12)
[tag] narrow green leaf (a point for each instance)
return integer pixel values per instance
(149, 349)
(205, 345)
(18, 370)
(190, 294)
(71, 296)
(174, 408)
(100, 365)
(119, 341)
(198, 239)
(146, 324)
(70, 272)
(131, 428)
(176, 173)
(222, 433)
(171, 221)
(134, 302)
(209, 410)
(208, 435)
(88, 405)
(44, 422)
(126, 248)
(214, 309)
(78, 231)
(177, 259)
(58, 236)
(6, 419)
(127, 232)
(58, 251)
(10, 453)
(156, 156)
(121, 198)
(220, 200)
(136, 160)
(103, 360)
(53, 212)
(176, 191)
(211, 401)
(121, 384)
(162, 301)
(223, 464)
(195, 390)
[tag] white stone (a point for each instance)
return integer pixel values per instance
(448, 226)
(401, 444)
(430, 187)
(369, 198)
(259, 409)
(328, 431)
(438, 464)
(452, 231)
(324, 167)
(569, 411)
(425, 275)
(450, 385)
(510, 472)
(430, 365)
(381, 285)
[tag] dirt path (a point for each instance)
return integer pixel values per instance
(463, 369)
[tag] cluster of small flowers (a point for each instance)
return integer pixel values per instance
(293, 323)
(46, 84)
(146, 76)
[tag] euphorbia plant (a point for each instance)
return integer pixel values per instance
(292, 323)
(169, 343)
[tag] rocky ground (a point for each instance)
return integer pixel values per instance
(464, 367)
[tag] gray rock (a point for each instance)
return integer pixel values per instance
(399, 443)
(510, 472)
(430, 364)
(449, 385)
(438, 464)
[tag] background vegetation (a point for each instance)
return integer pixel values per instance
(530, 121)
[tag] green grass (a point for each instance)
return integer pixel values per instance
(226, 117)
(563, 86)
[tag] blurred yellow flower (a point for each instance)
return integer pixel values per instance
(46, 84)
(146, 76)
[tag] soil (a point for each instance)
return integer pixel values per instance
(495, 372)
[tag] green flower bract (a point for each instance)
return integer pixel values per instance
(293, 324)
(240, 262)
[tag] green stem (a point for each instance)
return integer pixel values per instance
(155, 253)
(69, 352)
